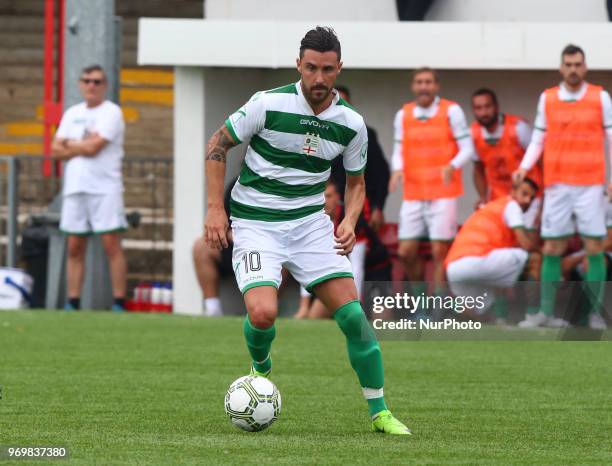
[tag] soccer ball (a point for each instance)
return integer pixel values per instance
(252, 403)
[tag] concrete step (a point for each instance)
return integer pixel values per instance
(147, 77)
(25, 74)
(149, 148)
(21, 56)
(153, 96)
(30, 23)
(153, 113)
(151, 262)
(21, 132)
(150, 232)
(20, 148)
(21, 91)
(145, 131)
(157, 197)
(30, 39)
(13, 110)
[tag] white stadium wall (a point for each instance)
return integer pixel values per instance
(385, 10)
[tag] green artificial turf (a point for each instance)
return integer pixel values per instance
(148, 389)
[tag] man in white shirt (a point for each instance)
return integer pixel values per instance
(90, 140)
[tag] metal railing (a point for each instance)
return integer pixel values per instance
(148, 182)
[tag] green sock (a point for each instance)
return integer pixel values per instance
(551, 274)
(259, 342)
(531, 291)
(364, 353)
(595, 278)
(418, 288)
(500, 307)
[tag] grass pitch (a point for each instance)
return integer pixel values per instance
(148, 389)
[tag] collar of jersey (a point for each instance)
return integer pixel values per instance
(307, 106)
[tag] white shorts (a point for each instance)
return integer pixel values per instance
(568, 209)
(357, 258)
(436, 220)
(608, 204)
(531, 216)
(84, 214)
(304, 246)
(481, 275)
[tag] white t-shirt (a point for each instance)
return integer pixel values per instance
(513, 215)
(457, 122)
(100, 174)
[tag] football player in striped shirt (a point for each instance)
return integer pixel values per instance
(277, 214)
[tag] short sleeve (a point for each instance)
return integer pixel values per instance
(355, 156)
(110, 126)
(63, 130)
(513, 215)
(248, 119)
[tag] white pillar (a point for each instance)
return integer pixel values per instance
(189, 185)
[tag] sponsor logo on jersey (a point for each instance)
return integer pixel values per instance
(237, 115)
(314, 124)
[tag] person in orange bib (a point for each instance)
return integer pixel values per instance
(500, 140)
(572, 123)
(492, 247)
(432, 143)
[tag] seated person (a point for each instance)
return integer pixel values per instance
(212, 264)
(492, 248)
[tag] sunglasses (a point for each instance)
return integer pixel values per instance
(96, 82)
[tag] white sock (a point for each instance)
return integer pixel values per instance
(213, 306)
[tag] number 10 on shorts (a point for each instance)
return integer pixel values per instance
(248, 269)
(251, 262)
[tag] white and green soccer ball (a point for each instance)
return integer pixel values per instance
(252, 403)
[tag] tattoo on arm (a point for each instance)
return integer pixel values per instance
(218, 145)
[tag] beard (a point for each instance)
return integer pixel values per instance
(425, 98)
(317, 98)
(487, 121)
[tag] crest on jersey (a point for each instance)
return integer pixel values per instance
(310, 146)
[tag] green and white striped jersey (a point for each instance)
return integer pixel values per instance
(289, 157)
